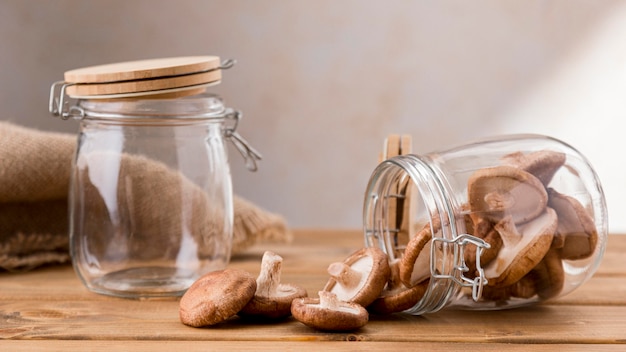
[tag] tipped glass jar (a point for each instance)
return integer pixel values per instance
(151, 203)
(500, 223)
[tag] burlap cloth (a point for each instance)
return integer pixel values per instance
(35, 171)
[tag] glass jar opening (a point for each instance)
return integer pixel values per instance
(193, 107)
(405, 197)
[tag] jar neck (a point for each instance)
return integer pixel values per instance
(415, 187)
(189, 108)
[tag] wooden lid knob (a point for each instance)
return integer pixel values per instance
(143, 76)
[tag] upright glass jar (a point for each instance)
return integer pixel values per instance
(500, 223)
(151, 203)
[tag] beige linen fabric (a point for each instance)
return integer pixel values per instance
(35, 169)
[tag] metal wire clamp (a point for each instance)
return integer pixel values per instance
(460, 267)
(250, 155)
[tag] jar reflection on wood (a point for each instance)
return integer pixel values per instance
(151, 204)
(500, 223)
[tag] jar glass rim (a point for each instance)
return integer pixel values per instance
(199, 106)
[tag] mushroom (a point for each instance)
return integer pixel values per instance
(576, 232)
(523, 248)
(545, 280)
(543, 164)
(549, 275)
(414, 266)
(272, 299)
(496, 294)
(484, 230)
(524, 288)
(216, 296)
(499, 191)
(396, 297)
(328, 313)
(360, 278)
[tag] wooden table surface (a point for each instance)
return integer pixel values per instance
(49, 309)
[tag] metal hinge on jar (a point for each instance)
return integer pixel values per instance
(457, 274)
(250, 155)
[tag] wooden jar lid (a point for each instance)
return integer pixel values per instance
(143, 77)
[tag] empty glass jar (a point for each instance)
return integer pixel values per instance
(500, 223)
(151, 203)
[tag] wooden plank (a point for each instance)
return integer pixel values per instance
(330, 346)
(599, 290)
(60, 282)
(51, 304)
(158, 320)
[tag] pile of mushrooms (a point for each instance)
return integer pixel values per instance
(530, 227)
(220, 295)
(364, 279)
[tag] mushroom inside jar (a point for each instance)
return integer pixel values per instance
(537, 232)
(530, 227)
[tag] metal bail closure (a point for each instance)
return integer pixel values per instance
(250, 155)
(59, 103)
(460, 267)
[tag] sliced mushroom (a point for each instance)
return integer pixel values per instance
(361, 277)
(576, 232)
(216, 296)
(328, 313)
(414, 266)
(524, 288)
(523, 248)
(543, 164)
(496, 294)
(545, 280)
(549, 275)
(396, 297)
(484, 230)
(506, 190)
(272, 298)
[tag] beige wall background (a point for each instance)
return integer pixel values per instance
(322, 82)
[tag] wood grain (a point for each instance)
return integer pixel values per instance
(143, 76)
(49, 308)
(142, 69)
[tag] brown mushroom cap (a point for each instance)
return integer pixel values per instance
(524, 288)
(414, 265)
(543, 164)
(327, 313)
(496, 192)
(396, 297)
(576, 229)
(272, 299)
(216, 296)
(549, 275)
(361, 277)
(523, 248)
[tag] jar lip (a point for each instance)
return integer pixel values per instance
(436, 207)
(199, 106)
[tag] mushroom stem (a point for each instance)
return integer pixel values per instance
(508, 232)
(328, 300)
(394, 277)
(269, 277)
(499, 201)
(344, 274)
